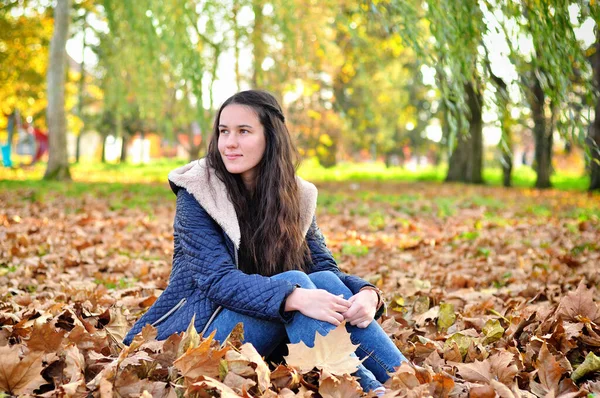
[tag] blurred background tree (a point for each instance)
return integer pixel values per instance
(470, 84)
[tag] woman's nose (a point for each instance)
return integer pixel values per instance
(232, 141)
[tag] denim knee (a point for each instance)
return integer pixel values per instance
(326, 277)
(296, 278)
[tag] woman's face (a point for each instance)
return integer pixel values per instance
(241, 142)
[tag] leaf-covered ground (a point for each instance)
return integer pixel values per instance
(490, 292)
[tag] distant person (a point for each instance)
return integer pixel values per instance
(41, 139)
(248, 248)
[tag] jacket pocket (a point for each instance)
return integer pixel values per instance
(170, 312)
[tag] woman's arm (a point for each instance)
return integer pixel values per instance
(322, 260)
(206, 259)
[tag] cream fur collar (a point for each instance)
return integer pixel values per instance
(215, 201)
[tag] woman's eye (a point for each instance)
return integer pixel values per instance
(223, 132)
(244, 131)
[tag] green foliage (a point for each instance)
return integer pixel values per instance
(354, 250)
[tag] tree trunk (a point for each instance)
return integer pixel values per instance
(507, 165)
(475, 163)
(594, 131)
(103, 159)
(236, 43)
(124, 142)
(193, 149)
(81, 90)
(543, 137)
(58, 160)
(466, 161)
(258, 43)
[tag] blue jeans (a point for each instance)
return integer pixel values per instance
(380, 352)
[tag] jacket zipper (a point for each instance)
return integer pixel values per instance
(216, 312)
(172, 310)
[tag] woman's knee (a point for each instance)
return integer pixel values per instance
(329, 281)
(323, 279)
(296, 277)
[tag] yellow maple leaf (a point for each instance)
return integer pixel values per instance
(331, 353)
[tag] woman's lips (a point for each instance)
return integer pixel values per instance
(232, 156)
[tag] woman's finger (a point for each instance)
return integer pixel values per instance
(333, 320)
(340, 308)
(364, 324)
(342, 301)
(338, 316)
(352, 312)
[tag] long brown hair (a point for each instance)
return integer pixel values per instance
(269, 217)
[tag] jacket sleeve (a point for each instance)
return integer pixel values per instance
(322, 260)
(204, 251)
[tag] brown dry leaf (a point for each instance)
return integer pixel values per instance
(441, 385)
(482, 391)
(118, 326)
(550, 370)
(45, 337)
(202, 360)
(331, 353)
(20, 375)
(135, 359)
(404, 377)
(263, 373)
(207, 386)
(285, 377)
(579, 306)
(238, 382)
(75, 364)
(476, 372)
(340, 387)
(501, 367)
(502, 390)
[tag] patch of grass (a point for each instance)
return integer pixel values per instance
(539, 210)
(119, 195)
(484, 201)
(588, 246)
(122, 283)
(470, 235)
(157, 171)
(349, 249)
(483, 251)
(377, 220)
(446, 206)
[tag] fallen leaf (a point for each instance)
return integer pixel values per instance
(340, 387)
(446, 316)
(482, 391)
(493, 331)
(502, 367)
(550, 370)
(285, 377)
(441, 386)
(476, 372)
(331, 353)
(590, 364)
(202, 360)
(20, 375)
(205, 385)
(263, 373)
(579, 306)
(45, 337)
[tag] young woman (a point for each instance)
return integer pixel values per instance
(248, 249)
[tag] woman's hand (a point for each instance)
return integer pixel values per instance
(364, 306)
(318, 304)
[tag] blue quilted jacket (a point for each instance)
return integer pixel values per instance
(205, 275)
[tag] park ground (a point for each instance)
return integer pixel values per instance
(489, 290)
